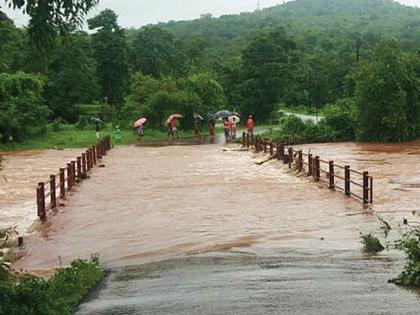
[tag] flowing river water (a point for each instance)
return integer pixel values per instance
(203, 229)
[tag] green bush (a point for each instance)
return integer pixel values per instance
(82, 123)
(371, 243)
(56, 124)
(340, 117)
(60, 294)
(22, 112)
(410, 244)
(294, 130)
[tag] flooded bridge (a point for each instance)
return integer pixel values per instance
(203, 229)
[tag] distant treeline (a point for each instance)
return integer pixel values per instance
(357, 57)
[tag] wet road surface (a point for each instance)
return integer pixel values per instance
(208, 231)
(288, 284)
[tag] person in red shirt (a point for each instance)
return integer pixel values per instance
(250, 126)
(227, 125)
(174, 129)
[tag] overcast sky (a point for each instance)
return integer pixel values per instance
(141, 12)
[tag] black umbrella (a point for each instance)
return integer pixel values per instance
(96, 120)
(223, 113)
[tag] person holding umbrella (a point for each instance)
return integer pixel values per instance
(139, 125)
(172, 125)
(211, 121)
(97, 123)
(197, 124)
(235, 120)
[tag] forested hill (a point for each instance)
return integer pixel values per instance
(304, 20)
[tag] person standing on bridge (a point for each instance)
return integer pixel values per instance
(174, 128)
(250, 126)
(227, 125)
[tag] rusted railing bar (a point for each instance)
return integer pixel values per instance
(356, 195)
(356, 172)
(356, 183)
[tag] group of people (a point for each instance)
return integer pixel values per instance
(229, 126)
(230, 123)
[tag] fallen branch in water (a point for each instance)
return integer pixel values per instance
(235, 150)
(266, 160)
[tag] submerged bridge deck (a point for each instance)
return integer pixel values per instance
(179, 203)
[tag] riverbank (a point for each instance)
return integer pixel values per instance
(69, 137)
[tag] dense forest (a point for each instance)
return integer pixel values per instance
(356, 60)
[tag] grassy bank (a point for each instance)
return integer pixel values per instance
(60, 294)
(70, 137)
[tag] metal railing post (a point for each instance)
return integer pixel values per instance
(317, 169)
(84, 169)
(40, 192)
(69, 176)
(347, 191)
(331, 175)
(53, 194)
(290, 157)
(79, 169)
(365, 187)
(300, 161)
(62, 183)
(310, 165)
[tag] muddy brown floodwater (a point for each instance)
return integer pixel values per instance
(182, 206)
(21, 171)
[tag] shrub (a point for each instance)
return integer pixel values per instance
(410, 244)
(60, 294)
(56, 124)
(82, 123)
(371, 243)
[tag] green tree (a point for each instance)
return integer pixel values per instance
(156, 52)
(267, 66)
(49, 16)
(71, 76)
(12, 42)
(209, 91)
(22, 112)
(111, 55)
(383, 96)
